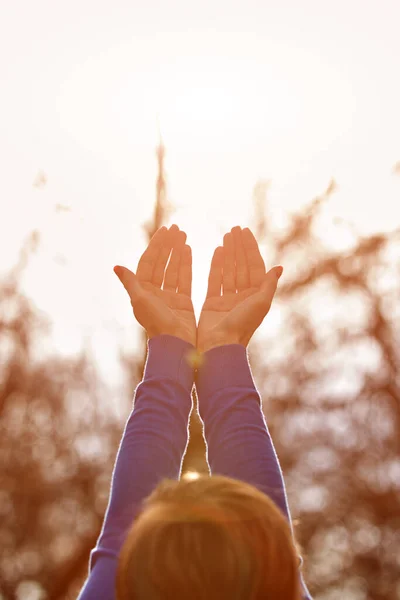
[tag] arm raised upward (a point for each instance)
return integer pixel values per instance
(239, 296)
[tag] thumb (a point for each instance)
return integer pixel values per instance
(268, 288)
(129, 280)
(277, 271)
(250, 314)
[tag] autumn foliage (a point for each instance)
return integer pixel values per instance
(328, 374)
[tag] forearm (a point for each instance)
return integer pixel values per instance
(238, 441)
(155, 436)
(152, 448)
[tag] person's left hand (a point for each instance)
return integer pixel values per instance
(168, 309)
(240, 292)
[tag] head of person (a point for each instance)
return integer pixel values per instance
(210, 538)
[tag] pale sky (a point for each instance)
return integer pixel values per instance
(295, 92)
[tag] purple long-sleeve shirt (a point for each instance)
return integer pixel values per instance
(156, 436)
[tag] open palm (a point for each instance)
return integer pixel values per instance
(238, 271)
(163, 308)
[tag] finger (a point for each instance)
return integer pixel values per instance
(130, 281)
(269, 286)
(228, 277)
(185, 272)
(242, 270)
(215, 276)
(172, 272)
(163, 255)
(255, 262)
(149, 257)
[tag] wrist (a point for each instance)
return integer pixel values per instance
(203, 345)
(186, 338)
(182, 335)
(167, 358)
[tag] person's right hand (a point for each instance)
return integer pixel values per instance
(161, 295)
(239, 293)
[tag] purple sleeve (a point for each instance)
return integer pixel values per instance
(152, 448)
(239, 444)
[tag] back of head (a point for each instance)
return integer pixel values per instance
(212, 538)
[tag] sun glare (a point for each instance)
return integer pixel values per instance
(209, 104)
(260, 94)
(191, 475)
(213, 99)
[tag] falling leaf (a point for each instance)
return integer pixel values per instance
(62, 207)
(396, 168)
(59, 259)
(40, 180)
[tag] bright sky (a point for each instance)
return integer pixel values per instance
(295, 92)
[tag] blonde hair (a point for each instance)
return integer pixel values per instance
(211, 538)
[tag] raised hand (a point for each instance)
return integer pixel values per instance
(239, 294)
(160, 295)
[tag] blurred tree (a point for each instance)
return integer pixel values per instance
(57, 446)
(327, 367)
